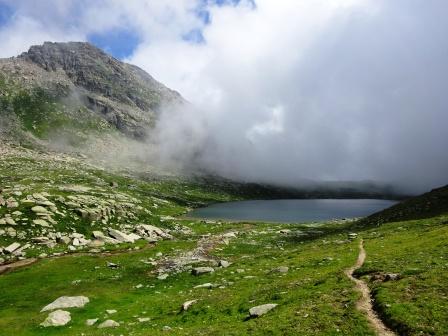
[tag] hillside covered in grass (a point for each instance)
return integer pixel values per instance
(224, 269)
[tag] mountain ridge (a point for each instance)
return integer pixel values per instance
(80, 75)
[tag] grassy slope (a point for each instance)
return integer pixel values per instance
(417, 303)
(45, 115)
(314, 297)
(428, 205)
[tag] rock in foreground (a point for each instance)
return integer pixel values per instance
(67, 302)
(261, 310)
(56, 319)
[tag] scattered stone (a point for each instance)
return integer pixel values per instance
(188, 304)
(281, 269)
(224, 263)
(10, 221)
(152, 232)
(20, 251)
(262, 309)
(91, 322)
(109, 324)
(143, 319)
(11, 248)
(120, 236)
(56, 319)
(284, 231)
(208, 285)
(111, 311)
(134, 236)
(383, 277)
(229, 235)
(67, 302)
(392, 276)
(41, 222)
(202, 270)
(162, 276)
(39, 209)
(101, 237)
(112, 265)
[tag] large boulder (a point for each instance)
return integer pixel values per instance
(103, 238)
(262, 309)
(56, 319)
(186, 305)
(120, 236)
(152, 232)
(67, 302)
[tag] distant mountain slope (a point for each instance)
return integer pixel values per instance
(86, 83)
(428, 205)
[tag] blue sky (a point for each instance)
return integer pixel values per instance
(120, 43)
(6, 13)
(121, 40)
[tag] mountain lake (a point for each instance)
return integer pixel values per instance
(291, 210)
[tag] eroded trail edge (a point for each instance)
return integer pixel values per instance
(364, 304)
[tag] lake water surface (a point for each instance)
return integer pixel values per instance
(292, 210)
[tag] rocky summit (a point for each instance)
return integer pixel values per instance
(88, 84)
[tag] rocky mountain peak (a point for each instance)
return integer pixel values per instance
(124, 95)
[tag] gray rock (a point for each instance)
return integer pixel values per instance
(109, 324)
(56, 319)
(91, 322)
(39, 209)
(10, 221)
(21, 250)
(162, 276)
(152, 232)
(281, 269)
(67, 302)
(206, 285)
(224, 263)
(11, 248)
(101, 237)
(202, 270)
(41, 222)
(188, 304)
(262, 309)
(120, 236)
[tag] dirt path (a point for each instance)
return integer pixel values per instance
(180, 262)
(17, 264)
(5, 268)
(365, 303)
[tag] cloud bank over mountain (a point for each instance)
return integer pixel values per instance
(282, 91)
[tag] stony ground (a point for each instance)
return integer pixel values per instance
(113, 257)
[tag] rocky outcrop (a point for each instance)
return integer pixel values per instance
(80, 75)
